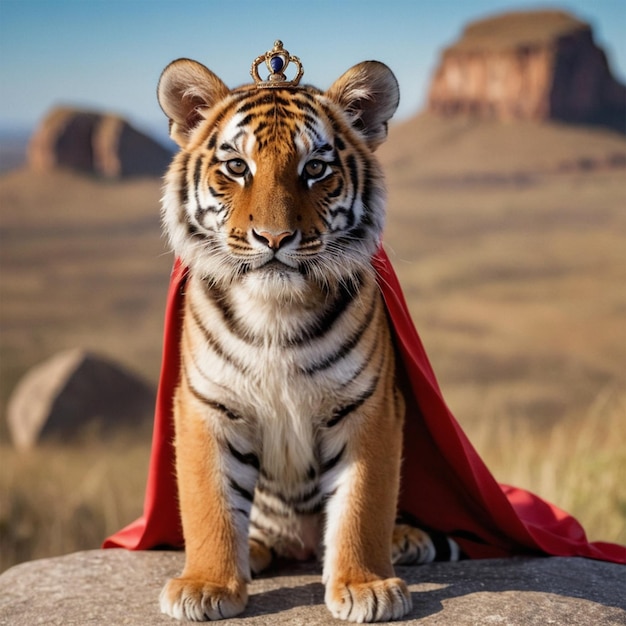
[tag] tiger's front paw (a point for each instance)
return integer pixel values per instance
(373, 601)
(200, 600)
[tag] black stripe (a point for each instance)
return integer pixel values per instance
(248, 458)
(220, 298)
(323, 324)
(442, 546)
(310, 123)
(183, 197)
(310, 509)
(351, 163)
(231, 415)
(360, 232)
(326, 147)
(341, 210)
(335, 193)
(375, 604)
(345, 348)
(212, 140)
(202, 211)
(215, 193)
(197, 172)
(292, 501)
(366, 361)
(261, 98)
(303, 498)
(246, 120)
(366, 193)
(213, 343)
(305, 105)
(240, 490)
(351, 603)
(341, 412)
(332, 462)
(260, 127)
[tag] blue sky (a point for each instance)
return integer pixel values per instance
(108, 54)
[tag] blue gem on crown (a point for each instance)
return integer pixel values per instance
(277, 59)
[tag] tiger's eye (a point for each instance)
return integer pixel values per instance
(314, 168)
(237, 167)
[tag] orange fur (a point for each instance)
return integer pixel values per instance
(211, 564)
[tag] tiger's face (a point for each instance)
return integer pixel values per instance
(276, 188)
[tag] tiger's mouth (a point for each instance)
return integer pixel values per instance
(276, 266)
(278, 282)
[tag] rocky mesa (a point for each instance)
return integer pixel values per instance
(102, 144)
(538, 65)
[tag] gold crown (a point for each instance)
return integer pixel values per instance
(277, 59)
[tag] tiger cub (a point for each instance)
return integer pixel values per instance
(288, 418)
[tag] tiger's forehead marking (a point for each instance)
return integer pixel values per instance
(236, 136)
(276, 120)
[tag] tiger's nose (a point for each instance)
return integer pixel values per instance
(272, 240)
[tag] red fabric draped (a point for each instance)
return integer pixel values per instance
(444, 485)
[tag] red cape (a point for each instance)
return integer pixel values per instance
(444, 484)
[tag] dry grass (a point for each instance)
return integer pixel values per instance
(59, 499)
(579, 466)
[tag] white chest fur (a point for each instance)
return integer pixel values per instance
(268, 361)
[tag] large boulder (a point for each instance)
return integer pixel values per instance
(97, 143)
(118, 587)
(74, 393)
(538, 65)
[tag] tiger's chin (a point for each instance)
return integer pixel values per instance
(305, 286)
(278, 282)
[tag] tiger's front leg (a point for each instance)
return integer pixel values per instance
(213, 584)
(358, 573)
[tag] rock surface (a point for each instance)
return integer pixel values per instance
(97, 143)
(117, 587)
(74, 391)
(539, 65)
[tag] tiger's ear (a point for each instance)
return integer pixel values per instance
(369, 94)
(186, 89)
